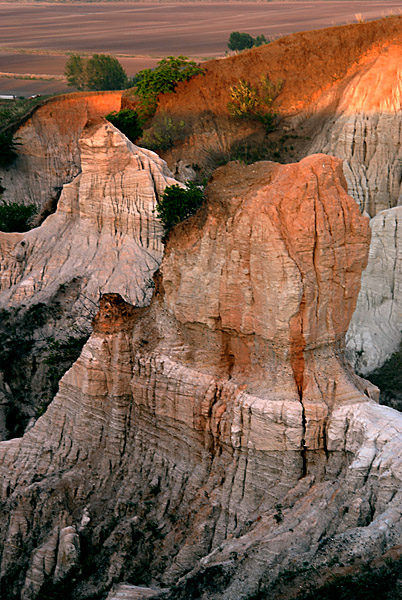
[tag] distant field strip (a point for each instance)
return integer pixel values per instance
(32, 76)
(44, 52)
(168, 28)
(37, 39)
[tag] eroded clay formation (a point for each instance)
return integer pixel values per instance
(216, 438)
(47, 144)
(103, 237)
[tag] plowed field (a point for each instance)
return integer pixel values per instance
(145, 31)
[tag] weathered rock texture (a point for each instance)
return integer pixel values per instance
(48, 146)
(375, 331)
(364, 128)
(217, 435)
(341, 95)
(103, 237)
(104, 231)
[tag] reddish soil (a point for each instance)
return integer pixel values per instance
(308, 63)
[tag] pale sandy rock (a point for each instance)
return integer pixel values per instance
(221, 425)
(375, 330)
(104, 232)
(322, 528)
(68, 553)
(43, 561)
(364, 128)
(104, 237)
(47, 145)
(131, 592)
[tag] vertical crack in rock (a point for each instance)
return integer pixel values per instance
(297, 346)
(182, 431)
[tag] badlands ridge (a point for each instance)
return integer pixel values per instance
(213, 441)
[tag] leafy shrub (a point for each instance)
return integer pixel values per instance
(164, 132)
(100, 72)
(164, 78)
(242, 41)
(177, 203)
(255, 101)
(16, 217)
(127, 121)
(7, 149)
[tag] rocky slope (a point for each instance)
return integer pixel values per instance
(216, 441)
(47, 144)
(375, 330)
(364, 128)
(103, 237)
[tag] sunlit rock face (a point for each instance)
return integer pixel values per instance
(363, 127)
(220, 424)
(47, 144)
(103, 237)
(375, 331)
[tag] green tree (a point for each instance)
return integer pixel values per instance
(162, 79)
(177, 203)
(100, 72)
(75, 72)
(260, 40)
(128, 122)
(243, 41)
(240, 41)
(105, 73)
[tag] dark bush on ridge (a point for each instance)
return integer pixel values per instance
(127, 121)
(7, 149)
(177, 203)
(164, 78)
(242, 41)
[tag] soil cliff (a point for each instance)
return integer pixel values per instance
(375, 332)
(47, 144)
(103, 237)
(341, 95)
(216, 442)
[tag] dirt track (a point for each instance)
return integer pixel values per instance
(150, 30)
